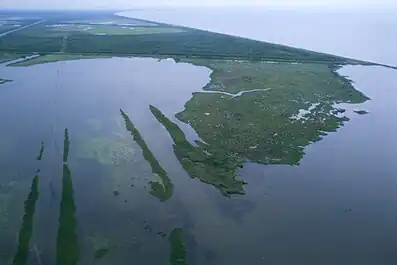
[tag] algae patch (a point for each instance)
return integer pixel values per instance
(106, 151)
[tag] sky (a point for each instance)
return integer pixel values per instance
(126, 4)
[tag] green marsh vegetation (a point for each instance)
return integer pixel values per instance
(66, 144)
(77, 36)
(178, 254)
(164, 190)
(67, 247)
(26, 230)
(273, 126)
(361, 112)
(40, 156)
(209, 166)
(267, 127)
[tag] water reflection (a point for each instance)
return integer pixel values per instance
(67, 249)
(163, 191)
(209, 166)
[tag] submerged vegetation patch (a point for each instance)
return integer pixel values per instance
(106, 151)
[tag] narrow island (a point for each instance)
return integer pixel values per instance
(361, 112)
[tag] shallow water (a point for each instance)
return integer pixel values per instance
(108, 196)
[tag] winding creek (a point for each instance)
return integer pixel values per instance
(232, 96)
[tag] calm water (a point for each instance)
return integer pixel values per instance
(338, 207)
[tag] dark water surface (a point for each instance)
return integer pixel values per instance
(91, 198)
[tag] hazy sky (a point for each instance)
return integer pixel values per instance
(84, 4)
